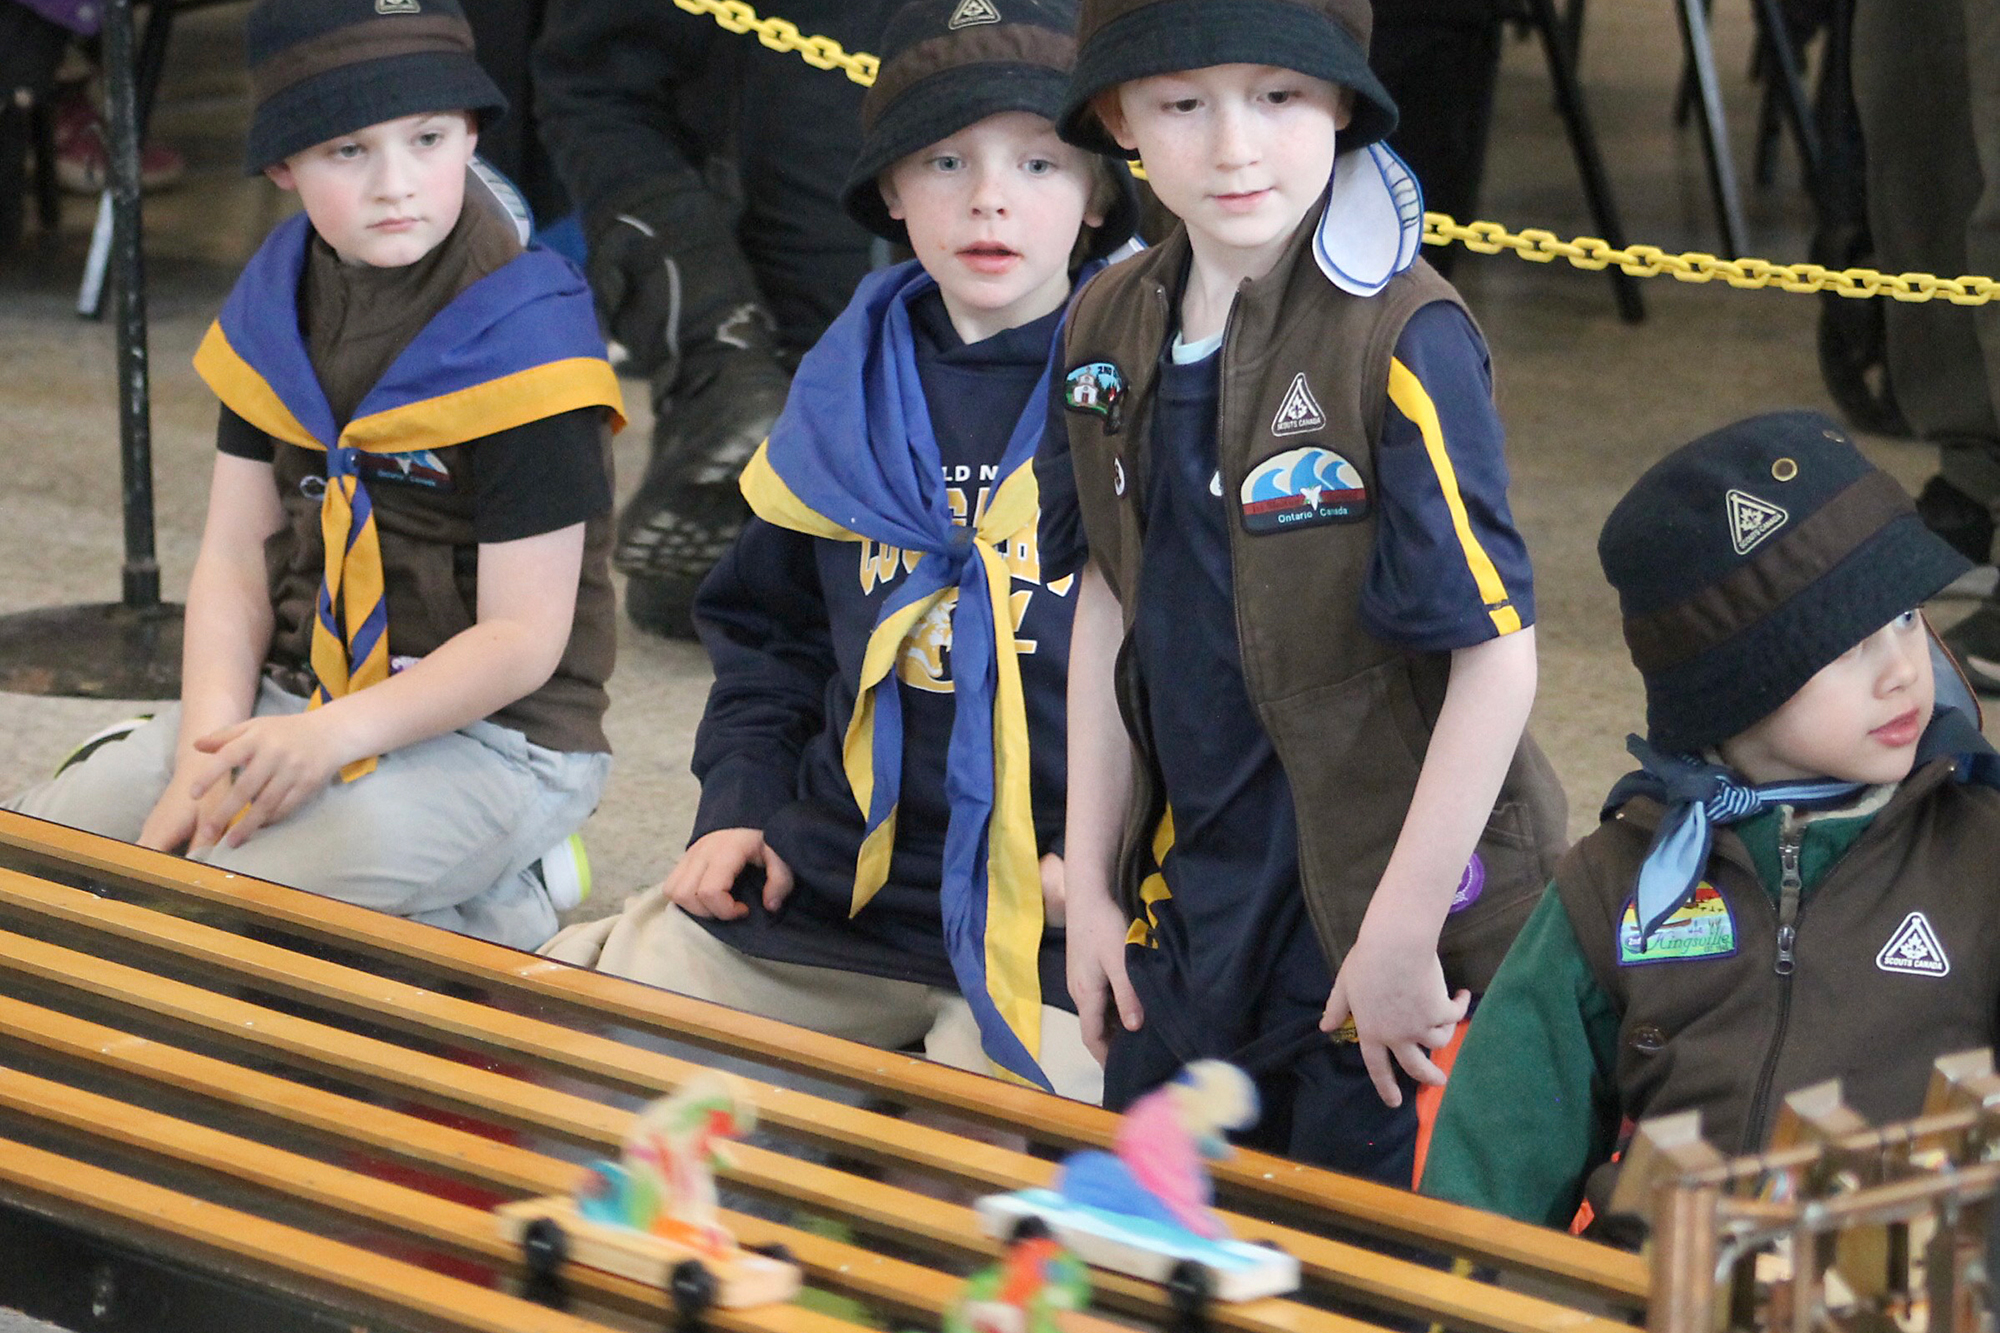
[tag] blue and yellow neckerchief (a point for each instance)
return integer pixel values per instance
(853, 458)
(518, 345)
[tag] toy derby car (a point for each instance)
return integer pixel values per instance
(651, 1215)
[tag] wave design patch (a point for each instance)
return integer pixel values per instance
(1300, 488)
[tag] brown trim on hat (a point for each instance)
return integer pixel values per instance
(1004, 44)
(1356, 16)
(1679, 633)
(374, 39)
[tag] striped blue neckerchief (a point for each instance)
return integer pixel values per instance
(1698, 796)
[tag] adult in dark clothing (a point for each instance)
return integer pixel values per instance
(1927, 85)
(707, 171)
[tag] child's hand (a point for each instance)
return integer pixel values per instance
(1094, 963)
(702, 884)
(174, 817)
(1053, 894)
(259, 772)
(1393, 987)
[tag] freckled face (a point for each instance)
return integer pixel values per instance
(1239, 153)
(385, 195)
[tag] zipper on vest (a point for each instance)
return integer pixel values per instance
(1789, 887)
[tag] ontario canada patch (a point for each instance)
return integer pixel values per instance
(1699, 928)
(1099, 387)
(1752, 520)
(1302, 488)
(1914, 950)
(1299, 411)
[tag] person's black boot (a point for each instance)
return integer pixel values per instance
(1958, 518)
(687, 510)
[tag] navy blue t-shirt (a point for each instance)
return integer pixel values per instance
(786, 620)
(1234, 939)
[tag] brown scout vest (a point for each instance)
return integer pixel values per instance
(430, 554)
(1731, 1035)
(1348, 714)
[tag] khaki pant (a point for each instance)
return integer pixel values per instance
(655, 942)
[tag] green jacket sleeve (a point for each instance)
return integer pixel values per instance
(1532, 1106)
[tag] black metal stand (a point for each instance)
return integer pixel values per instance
(129, 649)
(1558, 43)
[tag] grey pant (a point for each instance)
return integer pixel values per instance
(1927, 82)
(445, 831)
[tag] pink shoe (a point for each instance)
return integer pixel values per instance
(82, 164)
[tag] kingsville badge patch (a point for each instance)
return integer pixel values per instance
(1099, 387)
(1914, 950)
(1701, 927)
(1302, 487)
(1751, 520)
(1299, 411)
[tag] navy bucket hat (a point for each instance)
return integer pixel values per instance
(947, 64)
(1751, 558)
(1123, 40)
(323, 68)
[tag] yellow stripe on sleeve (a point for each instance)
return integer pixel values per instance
(1414, 402)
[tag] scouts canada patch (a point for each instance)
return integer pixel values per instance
(1302, 488)
(1914, 950)
(1096, 386)
(1701, 927)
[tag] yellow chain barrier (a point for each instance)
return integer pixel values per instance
(819, 52)
(1487, 238)
(1650, 261)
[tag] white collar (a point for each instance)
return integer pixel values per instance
(1374, 222)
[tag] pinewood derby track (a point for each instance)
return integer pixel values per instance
(252, 1085)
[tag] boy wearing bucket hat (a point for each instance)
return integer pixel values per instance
(1285, 472)
(881, 760)
(400, 623)
(1795, 884)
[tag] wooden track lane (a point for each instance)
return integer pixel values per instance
(510, 1101)
(460, 1153)
(1609, 1274)
(73, 1188)
(1399, 1283)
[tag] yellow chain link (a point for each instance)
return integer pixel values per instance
(1488, 238)
(1650, 261)
(819, 52)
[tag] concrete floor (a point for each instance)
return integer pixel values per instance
(1588, 401)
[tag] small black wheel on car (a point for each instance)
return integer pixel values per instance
(544, 1248)
(777, 1249)
(544, 1251)
(692, 1287)
(1030, 1228)
(1188, 1293)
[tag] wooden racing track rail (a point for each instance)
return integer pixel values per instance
(533, 1054)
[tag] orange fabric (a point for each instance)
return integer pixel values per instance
(1429, 1099)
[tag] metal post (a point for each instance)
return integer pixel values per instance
(135, 426)
(130, 649)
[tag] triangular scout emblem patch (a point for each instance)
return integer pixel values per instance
(1914, 949)
(1752, 520)
(971, 13)
(1300, 410)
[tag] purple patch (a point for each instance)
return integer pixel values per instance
(1470, 885)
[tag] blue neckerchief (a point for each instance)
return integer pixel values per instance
(853, 456)
(1698, 796)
